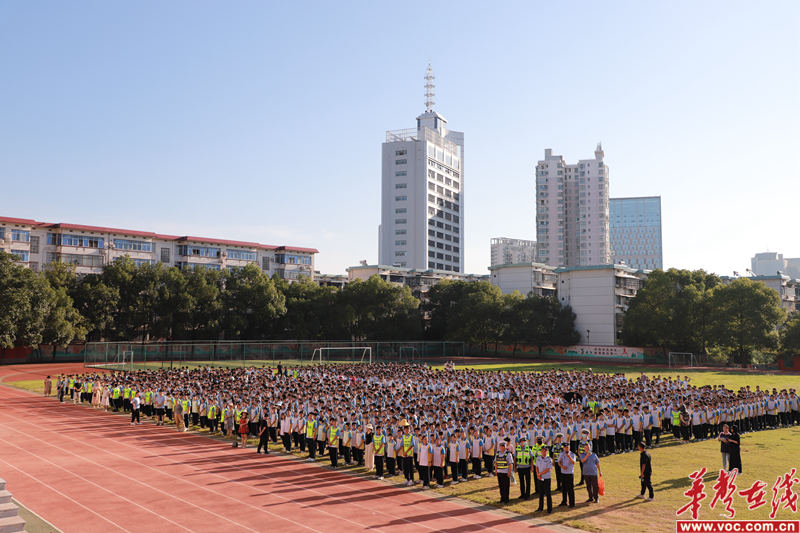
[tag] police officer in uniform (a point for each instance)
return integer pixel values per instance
(523, 467)
(555, 451)
(503, 465)
(535, 453)
(544, 465)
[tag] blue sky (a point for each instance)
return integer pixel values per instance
(263, 121)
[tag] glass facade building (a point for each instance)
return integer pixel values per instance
(635, 225)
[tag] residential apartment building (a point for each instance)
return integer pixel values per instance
(599, 295)
(572, 226)
(90, 248)
(527, 278)
(420, 281)
(770, 263)
(422, 195)
(636, 232)
(510, 251)
(786, 287)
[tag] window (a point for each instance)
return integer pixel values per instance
(431, 243)
(432, 254)
(165, 255)
(34, 245)
(440, 245)
(431, 264)
(18, 235)
(399, 221)
(439, 234)
(400, 152)
(265, 263)
(22, 254)
(135, 246)
(242, 254)
(456, 249)
(399, 243)
(286, 259)
(75, 259)
(400, 198)
(2, 233)
(439, 256)
(431, 186)
(400, 173)
(201, 251)
(401, 162)
(399, 253)
(400, 186)
(399, 232)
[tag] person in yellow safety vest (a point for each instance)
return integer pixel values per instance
(333, 444)
(522, 466)
(407, 444)
(379, 441)
(126, 399)
(503, 467)
(185, 405)
(148, 406)
(311, 430)
(115, 393)
(676, 423)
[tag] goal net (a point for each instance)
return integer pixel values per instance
(682, 359)
(409, 354)
(342, 354)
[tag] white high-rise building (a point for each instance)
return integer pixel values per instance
(422, 194)
(572, 226)
(511, 251)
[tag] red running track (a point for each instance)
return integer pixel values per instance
(84, 470)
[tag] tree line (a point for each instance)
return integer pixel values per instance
(693, 311)
(152, 302)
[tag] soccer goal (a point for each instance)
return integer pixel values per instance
(682, 359)
(409, 354)
(342, 354)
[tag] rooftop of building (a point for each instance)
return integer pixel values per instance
(419, 272)
(625, 268)
(531, 265)
(152, 235)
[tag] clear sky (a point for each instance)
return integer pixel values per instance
(262, 121)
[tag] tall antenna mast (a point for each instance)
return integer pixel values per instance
(429, 77)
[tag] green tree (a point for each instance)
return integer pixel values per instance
(205, 287)
(790, 335)
(379, 310)
(478, 316)
(313, 312)
(746, 316)
(673, 310)
(174, 304)
(252, 304)
(97, 303)
(26, 304)
(63, 323)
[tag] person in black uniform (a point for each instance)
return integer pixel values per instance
(645, 472)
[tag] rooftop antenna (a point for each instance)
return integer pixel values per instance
(429, 77)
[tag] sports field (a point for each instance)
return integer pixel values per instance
(766, 455)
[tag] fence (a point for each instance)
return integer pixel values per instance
(138, 355)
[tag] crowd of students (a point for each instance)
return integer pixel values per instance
(416, 422)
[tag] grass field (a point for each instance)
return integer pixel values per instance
(766, 455)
